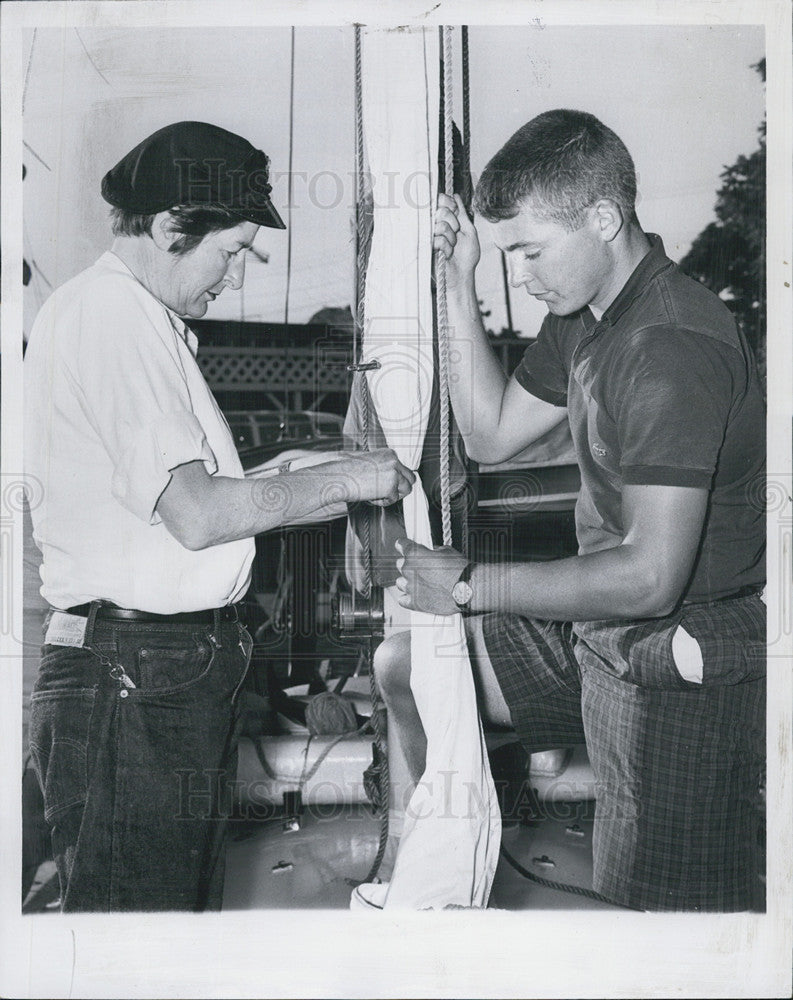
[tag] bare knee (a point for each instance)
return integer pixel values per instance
(392, 666)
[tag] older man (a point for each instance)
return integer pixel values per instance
(146, 531)
(649, 643)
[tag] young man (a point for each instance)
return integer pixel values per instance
(662, 669)
(146, 528)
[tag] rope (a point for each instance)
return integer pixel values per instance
(466, 119)
(289, 181)
(360, 291)
(362, 241)
(306, 774)
(464, 526)
(443, 317)
(90, 58)
(380, 743)
(467, 194)
(30, 149)
(27, 71)
(546, 883)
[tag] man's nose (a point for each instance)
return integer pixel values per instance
(516, 271)
(520, 273)
(235, 275)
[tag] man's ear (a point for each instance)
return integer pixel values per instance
(162, 230)
(608, 218)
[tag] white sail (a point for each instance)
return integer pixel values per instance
(451, 836)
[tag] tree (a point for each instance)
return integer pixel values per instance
(729, 254)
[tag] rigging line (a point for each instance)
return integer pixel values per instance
(30, 149)
(507, 299)
(27, 71)
(443, 318)
(289, 182)
(467, 194)
(467, 185)
(41, 274)
(360, 293)
(547, 883)
(36, 274)
(361, 257)
(90, 59)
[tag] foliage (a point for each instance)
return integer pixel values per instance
(729, 254)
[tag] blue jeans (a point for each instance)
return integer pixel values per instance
(137, 780)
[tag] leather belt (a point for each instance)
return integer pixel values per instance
(112, 613)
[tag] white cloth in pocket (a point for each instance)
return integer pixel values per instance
(687, 655)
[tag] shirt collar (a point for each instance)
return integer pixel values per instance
(115, 263)
(649, 267)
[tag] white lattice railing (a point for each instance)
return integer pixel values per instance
(274, 368)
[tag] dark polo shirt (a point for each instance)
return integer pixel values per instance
(662, 391)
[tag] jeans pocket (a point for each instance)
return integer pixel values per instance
(161, 664)
(60, 723)
(68, 668)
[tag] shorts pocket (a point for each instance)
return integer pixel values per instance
(731, 637)
(687, 656)
(60, 723)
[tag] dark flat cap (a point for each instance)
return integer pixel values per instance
(194, 163)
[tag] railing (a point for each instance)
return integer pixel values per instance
(292, 377)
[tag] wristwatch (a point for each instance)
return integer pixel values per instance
(462, 591)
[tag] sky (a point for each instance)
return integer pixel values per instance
(683, 98)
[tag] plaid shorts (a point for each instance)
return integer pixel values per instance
(678, 764)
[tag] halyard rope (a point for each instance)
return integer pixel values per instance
(361, 230)
(440, 276)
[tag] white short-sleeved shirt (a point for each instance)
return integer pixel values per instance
(114, 400)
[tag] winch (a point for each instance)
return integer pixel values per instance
(354, 616)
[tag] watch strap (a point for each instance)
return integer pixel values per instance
(465, 576)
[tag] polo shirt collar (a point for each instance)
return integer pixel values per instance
(115, 263)
(651, 265)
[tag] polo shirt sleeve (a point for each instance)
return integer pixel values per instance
(134, 392)
(542, 370)
(671, 390)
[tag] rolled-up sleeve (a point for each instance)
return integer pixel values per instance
(135, 394)
(144, 469)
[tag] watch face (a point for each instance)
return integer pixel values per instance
(462, 593)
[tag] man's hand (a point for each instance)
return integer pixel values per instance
(455, 237)
(376, 475)
(427, 577)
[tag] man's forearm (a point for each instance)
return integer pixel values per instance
(477, 379)
(612, 584)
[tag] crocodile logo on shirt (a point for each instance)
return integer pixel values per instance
(599, 450)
